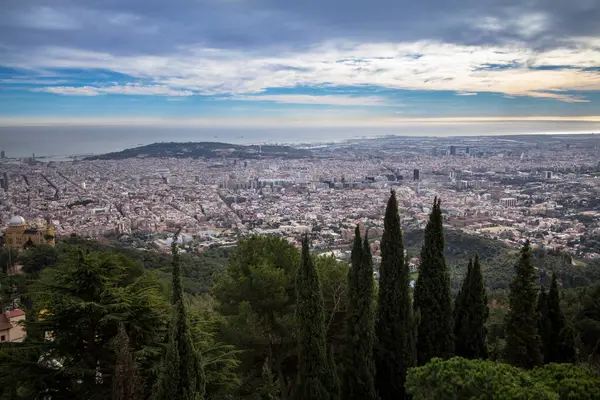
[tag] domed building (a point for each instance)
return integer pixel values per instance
(20, 235)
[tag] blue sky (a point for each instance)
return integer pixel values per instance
(269, 62)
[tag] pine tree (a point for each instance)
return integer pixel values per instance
(312, 358)
(432, 300)
(394, 349)
(358, 381)
(182, 374)
(560, 348)
(523, 345)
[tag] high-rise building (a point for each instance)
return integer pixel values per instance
(415, 175)
(2, 154)
(5, 185)
(452, 150)
(434, 152)
(548, 174)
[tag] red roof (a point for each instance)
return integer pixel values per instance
(15, 313)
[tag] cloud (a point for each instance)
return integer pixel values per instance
(45, 18)
(333, 100)
(439, 66)
(128, 89)
(466, 94)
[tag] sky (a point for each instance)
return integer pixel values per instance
(304, 63)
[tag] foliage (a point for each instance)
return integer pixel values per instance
(588, 324)
(459, 378)
(257, 297)
(77, 308)
(559, 346)
(435, 336)
(312, 357)
(523, 347)
(568, 381)
(126, 382)
(182, 376)
(470, 313)
(395, 345)
(37, 258)
(359, 372)
(332, 378)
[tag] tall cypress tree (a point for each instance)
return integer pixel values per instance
(461, 324)
(358, 381)
(394, 349)
(312, 359)
(182, 374)
(477, 313)
(560, 348)
(523, 346)
(432, 300)
(543, 324)
(333, 379)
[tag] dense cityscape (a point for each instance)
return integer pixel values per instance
(541, 188)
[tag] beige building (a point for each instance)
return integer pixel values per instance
(10, 328)
(19, 234)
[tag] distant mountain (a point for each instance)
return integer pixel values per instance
(204, 150)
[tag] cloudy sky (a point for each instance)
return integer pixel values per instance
(265, 62)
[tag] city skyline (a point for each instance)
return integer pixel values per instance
(265, 63)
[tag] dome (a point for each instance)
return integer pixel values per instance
(17, 221)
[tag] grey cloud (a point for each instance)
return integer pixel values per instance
(158, 26)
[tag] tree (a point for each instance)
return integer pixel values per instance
(523, 346)
(588, 324)
(312, 358)
(459, 378)
(544, 326)
(182, 375)
(39, 257)
(432, 300)
(77, 308)
(471, 313)
(560, 346)
(126, 384)
(358, 378)
(332, 376)
(394, 348)
(256, 296)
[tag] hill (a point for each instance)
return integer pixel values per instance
(204, 150)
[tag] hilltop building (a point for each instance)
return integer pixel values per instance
(10, 328)
(19, 234)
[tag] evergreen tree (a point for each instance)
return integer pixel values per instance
(126, 380)
(523, 346)
(560, 348)
(543, 320)
(332, 378)
(182, 374)
(394, 349)
(312, 358)
(461, 327)
(477, 313)
(432, 300)
(358, 379)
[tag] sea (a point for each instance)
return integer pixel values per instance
(64, 141)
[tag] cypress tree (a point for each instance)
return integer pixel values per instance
(543, 320)
(394, 349)
(477, 313)
(182, 374)
(332, 378)
(432, 300)
(523, 345)
(312, 359)
(358, 381)
(560, 348)
(461, 324)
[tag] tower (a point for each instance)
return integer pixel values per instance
(5, 186)
(415, 175)
(452, 150)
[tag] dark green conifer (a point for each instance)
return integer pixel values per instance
(473, 344)
(312, 358)
(432, 300)
(394, 348)
(182, 375)
(560, 348)
(543, 320)
(358, 382)
(523, 345)
(333, 379)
